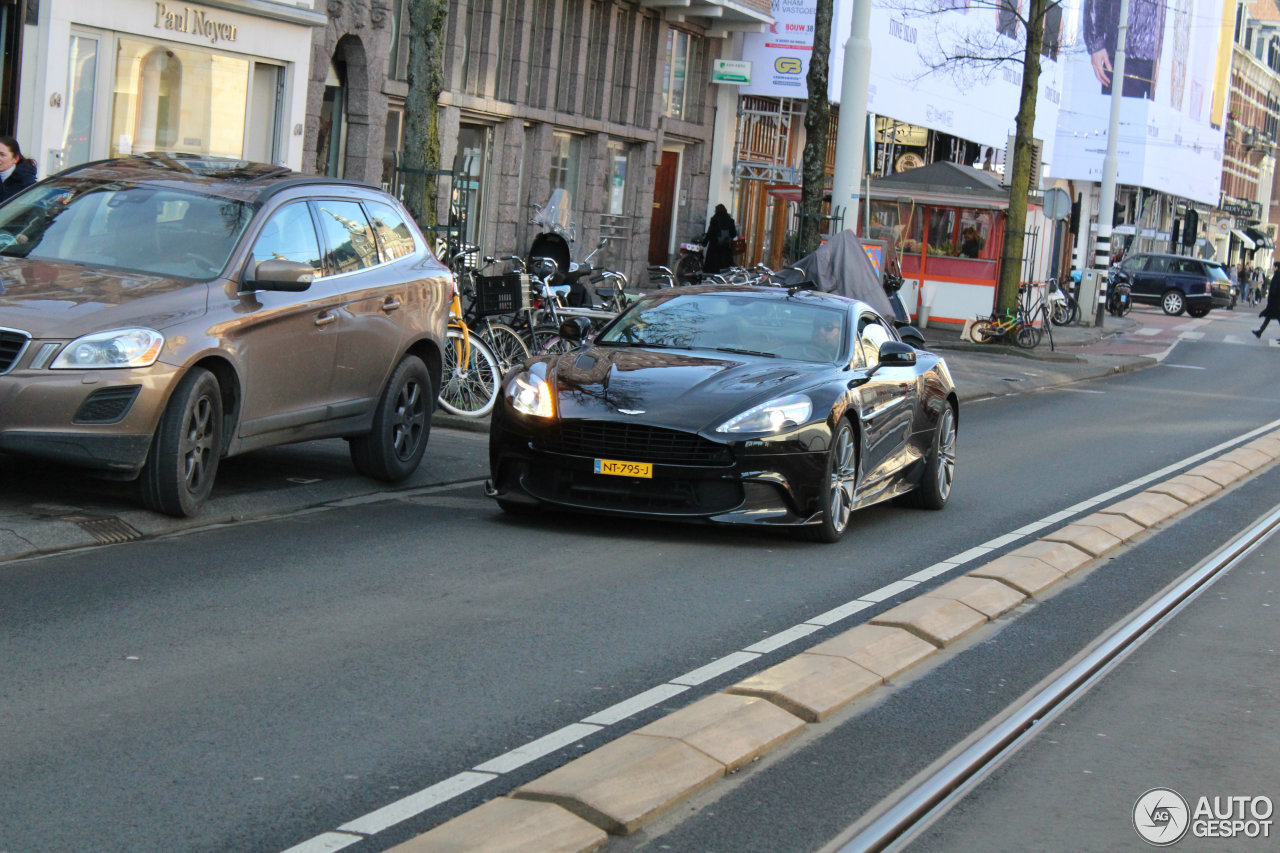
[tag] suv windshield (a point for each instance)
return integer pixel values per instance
(137, 227)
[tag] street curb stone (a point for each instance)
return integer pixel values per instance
(810, 686)
(989, 597)
(505, 825)
(941, 621)
(1027, 575)
(733, 730)
(1094, 541)
(883, 650)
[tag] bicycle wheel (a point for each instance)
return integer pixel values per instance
(1027, 337)
(507, 345)
(983, 331)
(546, 339)
(468, 388)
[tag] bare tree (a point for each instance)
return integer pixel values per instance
(981, 52)
(817, 120)
(426, 80)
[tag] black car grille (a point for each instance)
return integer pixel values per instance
(11, 345)
(614, 440)
(107, 405)
(679, 496)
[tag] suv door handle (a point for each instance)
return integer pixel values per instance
(326, 318)
(391, 303)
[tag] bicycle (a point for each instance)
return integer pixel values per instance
(490, 297)
(1015, 325)
(470, 374)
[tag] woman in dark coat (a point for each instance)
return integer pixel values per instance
(1272, 309)
(16, 172)
(721, 232)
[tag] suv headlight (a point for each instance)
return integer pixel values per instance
(775, 415)
(117, 348)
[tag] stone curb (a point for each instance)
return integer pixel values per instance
(623, 785)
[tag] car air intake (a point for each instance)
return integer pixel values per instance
(107, 405)
(11, 346)
(633, 441)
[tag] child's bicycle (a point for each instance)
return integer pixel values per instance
(1015, 326)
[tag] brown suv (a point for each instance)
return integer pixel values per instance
(162, 311)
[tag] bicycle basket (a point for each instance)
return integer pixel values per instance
(501, 294)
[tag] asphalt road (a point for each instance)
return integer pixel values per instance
(250, 686)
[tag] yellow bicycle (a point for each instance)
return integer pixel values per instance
(471, 374)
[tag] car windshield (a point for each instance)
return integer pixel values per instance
(136, 227)
(733, 323)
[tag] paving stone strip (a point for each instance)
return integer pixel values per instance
(625, 784)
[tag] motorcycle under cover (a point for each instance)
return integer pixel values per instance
(841, 266)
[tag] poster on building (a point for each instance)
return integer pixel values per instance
(1173, 97)
(780, 55)
(909, 38)
(917, 78)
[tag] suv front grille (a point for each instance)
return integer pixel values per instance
(11, 346)
(613, 440)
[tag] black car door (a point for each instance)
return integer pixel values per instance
(889, 402)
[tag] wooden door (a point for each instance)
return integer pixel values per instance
(664, 191)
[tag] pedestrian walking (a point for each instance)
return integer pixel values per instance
(1271, 311)
(16, 172)
(721, 232)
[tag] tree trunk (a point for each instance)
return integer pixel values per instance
(421, 149)
(817, 120)
(1020, 177)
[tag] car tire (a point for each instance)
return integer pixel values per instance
(840, 486)
(183, 459)
(1198, 311)
(939, 466)
(1173, 302)
(393, 448)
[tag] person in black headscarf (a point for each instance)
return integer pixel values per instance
(721, 232)
(16, 172)
(1271, 311)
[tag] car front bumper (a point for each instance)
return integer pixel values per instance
(782, 484)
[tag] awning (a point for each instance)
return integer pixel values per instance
(1243, 238)
(786, 193)
(1260, 237)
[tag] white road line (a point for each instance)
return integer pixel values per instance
(1148, 331)
(1079, 390)
(1232, 339)
(1191, 336)
(630, 707)
(454, 786)
(782, 638)
(1185, 366)
(326, 842)
(722, 665)
(415, 804)
(535, 749)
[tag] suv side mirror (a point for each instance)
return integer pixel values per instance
(897, 354)
(279, 274)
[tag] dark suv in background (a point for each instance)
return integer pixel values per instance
(1177, 283)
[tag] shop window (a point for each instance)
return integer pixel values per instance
(942, 232)
(82, 85)
(617, 189)
(975, 234)
(675, 74)
(468, 190)
(331, 140)
(178, 100)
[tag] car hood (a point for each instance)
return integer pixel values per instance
(686, 389)
(51, 299)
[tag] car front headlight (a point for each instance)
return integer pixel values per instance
(117, 348)
(775, 415)
(530, 394)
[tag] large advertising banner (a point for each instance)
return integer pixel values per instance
(1173, 98)
(909, 38)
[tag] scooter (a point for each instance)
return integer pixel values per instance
(1119, 294)
(692, 257)
(549, 256)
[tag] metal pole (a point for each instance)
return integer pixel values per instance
(1107, 202)
(851, 131)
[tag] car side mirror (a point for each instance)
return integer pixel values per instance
(279, 274)
(575, 329)
(897, 354)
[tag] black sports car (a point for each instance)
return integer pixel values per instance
(760, 405)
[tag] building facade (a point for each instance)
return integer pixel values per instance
(222, 78)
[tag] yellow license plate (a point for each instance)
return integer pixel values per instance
(624, 469)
